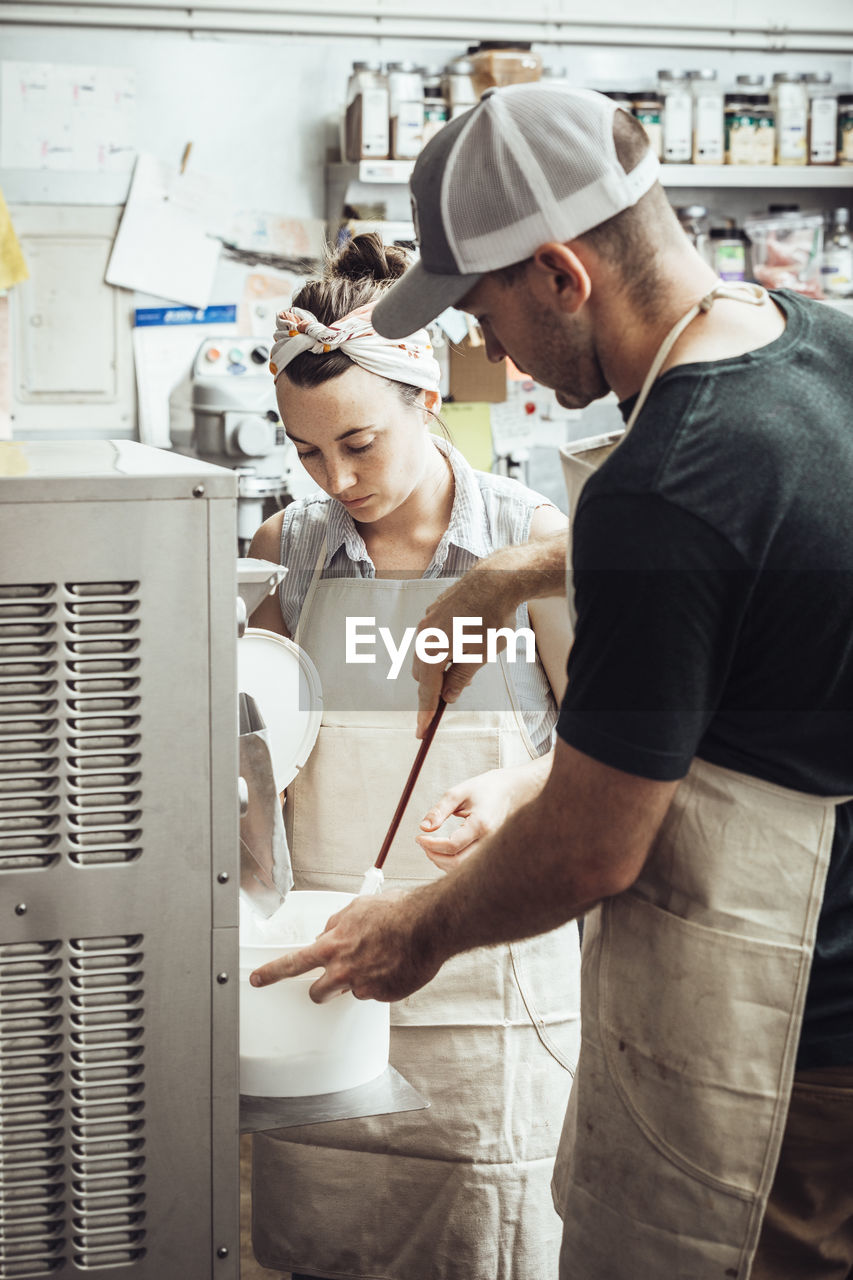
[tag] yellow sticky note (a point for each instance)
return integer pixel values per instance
(470, 427)
(13, 268)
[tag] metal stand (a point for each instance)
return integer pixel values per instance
(386, 1094)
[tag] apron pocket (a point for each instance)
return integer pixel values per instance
(698, 1059)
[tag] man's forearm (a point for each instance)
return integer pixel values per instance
(529, 571)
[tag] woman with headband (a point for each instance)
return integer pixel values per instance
(460, 1191)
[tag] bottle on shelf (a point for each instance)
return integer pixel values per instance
(739, 117)
(708, 135)
(844, 145)
(648, 109)
(823, 118)
(365, 131)
(728, 252)
(677, 123)
(405, 109)
(457, 86)
(791, 106)
(436, 110)
(764, 138)
(836, 273)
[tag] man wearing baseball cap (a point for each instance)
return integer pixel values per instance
(698, 806)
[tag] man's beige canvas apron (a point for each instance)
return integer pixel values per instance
(462, 1188)
(694, 983)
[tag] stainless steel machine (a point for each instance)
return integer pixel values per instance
(118, 864)
(120, 868)
(225, 412)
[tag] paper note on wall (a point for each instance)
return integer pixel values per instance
(470, 428)
(166, 243)
(63, 117)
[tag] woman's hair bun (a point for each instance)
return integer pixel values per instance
(366, 257)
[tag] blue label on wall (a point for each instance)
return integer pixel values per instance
(185, 315)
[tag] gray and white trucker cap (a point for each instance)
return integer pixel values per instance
(530, 163)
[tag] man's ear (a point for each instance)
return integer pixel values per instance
(561, 276)
(432, 401)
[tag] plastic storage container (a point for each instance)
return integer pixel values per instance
(498, 63)
(787, 251)
(289, 1046)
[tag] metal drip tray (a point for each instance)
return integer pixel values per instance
(383, 1096)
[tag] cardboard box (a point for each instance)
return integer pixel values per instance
(473, 377)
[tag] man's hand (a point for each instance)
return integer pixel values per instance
(491, 591)
(484, 803)
(372, 948)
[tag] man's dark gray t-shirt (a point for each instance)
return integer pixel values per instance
(713, 559)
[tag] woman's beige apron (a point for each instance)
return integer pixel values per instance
(459, 1191)
(694, 984)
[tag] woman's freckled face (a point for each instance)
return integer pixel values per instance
(357, 440)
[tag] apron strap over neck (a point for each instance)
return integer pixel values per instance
(736, 292)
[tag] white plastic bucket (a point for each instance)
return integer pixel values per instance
(289, 1046)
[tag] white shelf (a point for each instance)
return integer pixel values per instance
(749, 175)
(672, 175)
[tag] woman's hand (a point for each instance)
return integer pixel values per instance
(483, 803)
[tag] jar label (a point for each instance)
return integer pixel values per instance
(374, 123)
(708, 140)
(730, 261)
(824, 119)
(677, 127)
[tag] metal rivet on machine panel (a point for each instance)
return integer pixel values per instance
(222, 978)
(222, 1251)
(21, 909)
(223, 877)
(198, 491)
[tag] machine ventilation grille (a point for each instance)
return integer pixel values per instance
(101, 625)
(108, 1101)
(29, 726)
(32, 1109)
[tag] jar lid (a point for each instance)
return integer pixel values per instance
(462, 67)
(618, 96)
(727, 233)
(691, 211)
(845, 98)
(673, 75)
(750, 80)
(705, 74)
(406, 66)
(367, 66)
(731, 99)
(761, 99)
(819, 77)
(788, 77)
(645, 96)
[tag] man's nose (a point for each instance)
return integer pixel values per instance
(494, 350)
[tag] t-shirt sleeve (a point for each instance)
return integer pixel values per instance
(660, 597)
